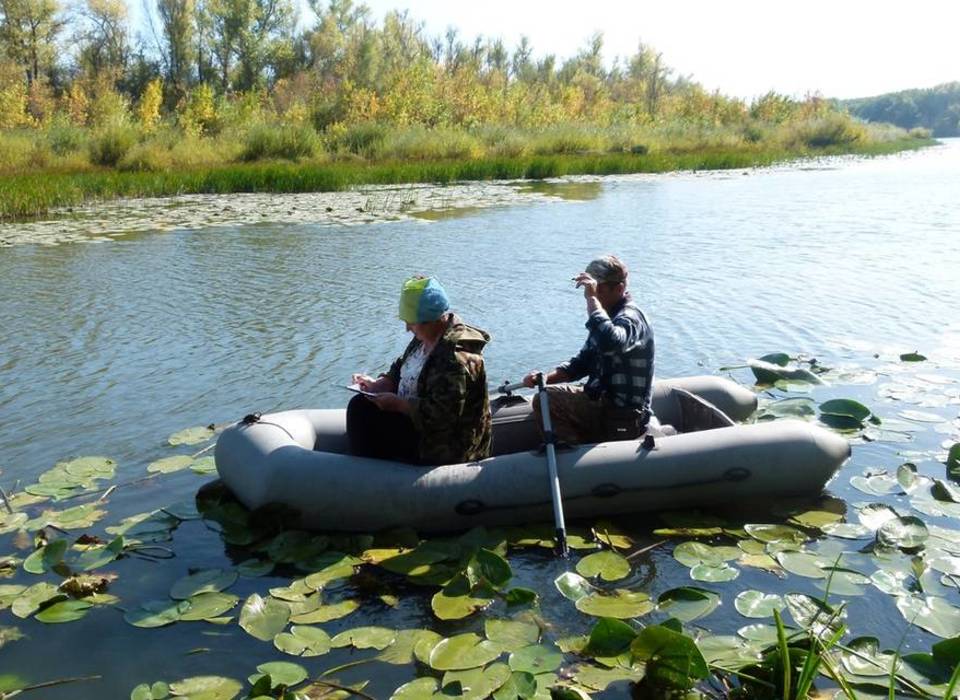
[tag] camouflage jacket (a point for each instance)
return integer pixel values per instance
(452, 411)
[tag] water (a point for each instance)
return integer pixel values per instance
(107, 348)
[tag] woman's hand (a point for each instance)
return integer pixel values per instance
(363, 381)
(388, 401)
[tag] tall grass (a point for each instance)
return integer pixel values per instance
(65, 165)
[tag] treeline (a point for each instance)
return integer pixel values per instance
(199, 61)
(936, 109)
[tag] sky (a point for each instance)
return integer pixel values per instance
(744, 48)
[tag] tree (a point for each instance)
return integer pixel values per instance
(28, 34)
(178, 20)
(104, 38)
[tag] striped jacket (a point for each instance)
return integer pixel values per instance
(617, 357)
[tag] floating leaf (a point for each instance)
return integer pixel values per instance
(876, 485)
(694, 553)
(156, 613)
(478, 683)
(456, 600)
(800, 407)
(912, 357)
(9, 593)
(945, 491)
(206, 581)
(803, 564)
(672, 659)
(728, 652)
(191, 436)
(303, 640)
(462, 652)
(378, 638)
(608, 565)
(511, 634)
(204, 466)
(45, 558)
(401, 652)
(932, 613)
(757, 604)
(953, 460)
(281, 673)
(30, 600)
(609, 637)
(771, 373)
(850, 531)
(263, 618)
(814, 614)
(905, 533)
(873, 515)
(419, 689)
(491, 567)
(843, 582)
(573, 586)
(205, 606)
(253, 568)
(620, 604)
(168, 465)
(862, 656)
(600, 678)
(206, 688)
(611, 535)
(520, 596)
(63, 611)
(688, 603)
(847, 408)
(535, 659)
(714, 573)
(326, 613)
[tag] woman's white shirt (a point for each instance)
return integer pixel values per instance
(410, 373)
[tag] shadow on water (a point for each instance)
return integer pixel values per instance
(570, 191)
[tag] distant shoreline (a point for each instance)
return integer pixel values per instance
(39, 194)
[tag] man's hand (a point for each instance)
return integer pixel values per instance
(588, 283)
(530, 380)
(388, 401)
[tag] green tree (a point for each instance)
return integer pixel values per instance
(28, 35)
(178, 23)
(104, 39)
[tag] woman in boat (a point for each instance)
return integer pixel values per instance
(431, 406)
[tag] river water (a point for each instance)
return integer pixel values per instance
(109, 346)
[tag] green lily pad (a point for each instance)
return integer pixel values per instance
(536, 658)
(33, 597)
(912, 357)
(608, 638)
(478, 683)
(521, 685)
(932, 613)
(45, 558)
(281, 673)
(303, 640)
(876, 485)
(9, 634)
(873, 515)
(849, 531)
(491, 567)
(254, 568)
(953, 460)
(378, 638)
(511, 634)
(418, 689)
(168, 465)
(9, 593)
(905, 533)
(843, 582)
(206, 688)
(688, 603)
(204, 466)
(804, 564)
(191, 436)
(847, 408)
(263, 618)
(204, 606)
(692, 554)
(599, 679)
(74, 518)
(945, 491)
(206, 581)
(757, 603)
(728, 651)
(799, 407)
(457, 600)
(63, 611)
(401, 652)
(620, 604)
(862, 656)
(814, 614)
(760, 634)
(11, 522)
(156, 613)
(714, 573)
(335, 566)
(672, 659)
(326, 613)
(608, 565)
(775, 533)
(573, 586)
(462, 652)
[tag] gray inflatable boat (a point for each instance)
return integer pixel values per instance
(301, 459)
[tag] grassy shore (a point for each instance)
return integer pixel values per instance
(38, 193)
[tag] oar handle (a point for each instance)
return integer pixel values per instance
(550, 443)
(507, 388)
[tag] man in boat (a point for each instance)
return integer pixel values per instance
(617, 360)
(431, 406)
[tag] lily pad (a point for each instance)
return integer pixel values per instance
(418, 689)
(688, 603)
(862, 656)
(462, 652)
(156, 613)
(608, 565)
(206, 581)
(478, 683)
(714, 573)
(263, 618)
(912, 357)
(456, 600)
(46, 558)
(814, 614)
(369, 637)
(401, 652)
(905, 533)
(850, 531)
(620, 604)
(692, 554)
(535, 659)
(847, 408)
(63, 611)
(254, 568)
(873, 515)
(511, 634)
(599, 679)
(672, 659)
(490, 567)
(192, 436)
(205, 606)
(932, 613)
(168, 465)
(206, 688)
(804, 564)
(326, 613)
(757, 603)
(573, 586)
(33, 597)
(281, 673)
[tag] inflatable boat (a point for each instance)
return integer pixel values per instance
(301, 459)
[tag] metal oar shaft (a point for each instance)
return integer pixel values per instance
(550, 444)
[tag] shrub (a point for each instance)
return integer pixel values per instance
(13, 105)
(363, 139)
(431, 144)
(16, 148)
(109, 146)
(280, 141)
(568, 140)
(918, 132)
(109, 109)
(832, 129)
(63, 137)
(148, 111)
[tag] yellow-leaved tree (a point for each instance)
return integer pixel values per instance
(148, 111)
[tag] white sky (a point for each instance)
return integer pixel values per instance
(840, 48)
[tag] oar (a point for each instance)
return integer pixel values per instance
(550, 443)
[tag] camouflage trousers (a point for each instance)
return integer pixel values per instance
(578, 419)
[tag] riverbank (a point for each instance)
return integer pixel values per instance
(41, 193)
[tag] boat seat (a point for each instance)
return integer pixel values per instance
(699, 414)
